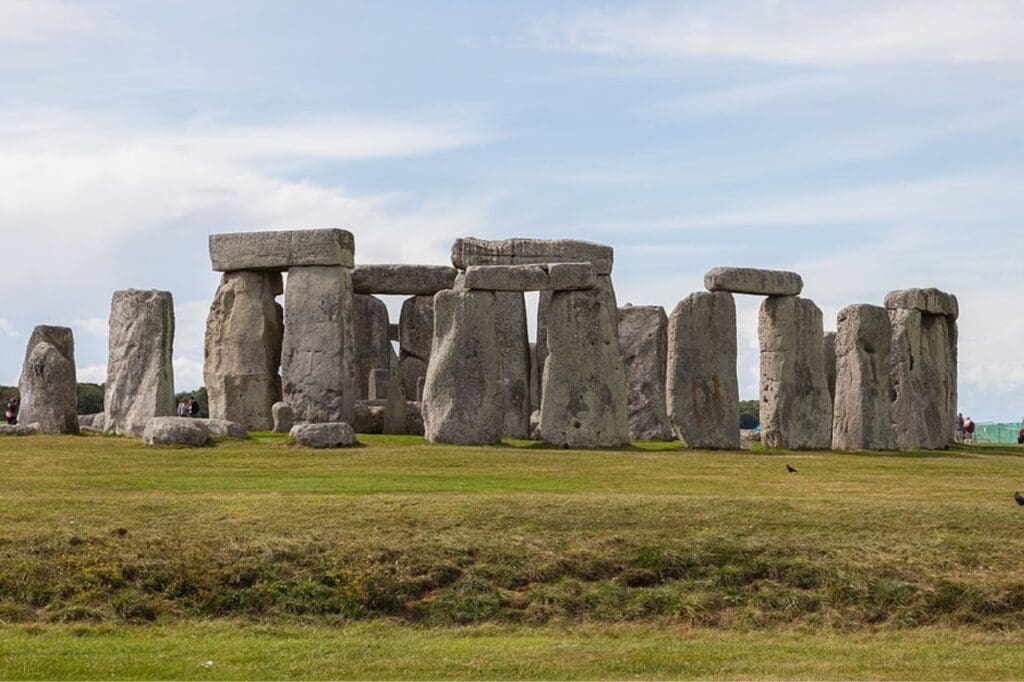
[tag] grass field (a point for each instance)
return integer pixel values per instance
(402, 559)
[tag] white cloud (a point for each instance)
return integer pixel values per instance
(33, 20)
(93, 374)
(805, 32)
(7, 329)
(97, 326)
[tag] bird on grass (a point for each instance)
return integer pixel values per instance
(1018, 498)
(793, 471)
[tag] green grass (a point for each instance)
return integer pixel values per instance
(401, 558)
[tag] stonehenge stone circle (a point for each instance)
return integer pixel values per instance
(317, 361)
(371, 344)
(828, 350)
(584, 400)
(407, 280)
(643, 342)
(541, 277)
(462, 397)
(923, 369)
(416, 333)
(175, 431)
(324, 435)
(140, 372)
(48, 383)
(244, 333)
(702, 386)
(514, 358)
(753, 281)
(283, 417)
(796, 410)
(281, 250)
(862, 417)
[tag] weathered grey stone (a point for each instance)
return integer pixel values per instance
(828, 350)
(754, 281)
(584, 403)
(393, 392)
(535, 433)
(703, 391)
(175, 431)
(324, 435)
(862, 410)
(317, 363)
(462, 398)
(370, 333)
(796, 409)
(93, 421)
(923, 377)
(540, 277)
(414, 373)
(406, 280)
(393, 333)
(534, 381)
(643, 342)
(140, 373)
(416, 332)
(378, 384)
(518, 251)
(18, 430)
(281, 250)
(284, 417)
(48, 384)
(414, 418)
(90, 430)
(514, 356)
(369, 416)
(931, 301)
(244, 333)
(420, 383)
(224, 428)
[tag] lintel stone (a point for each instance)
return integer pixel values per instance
(519, 251)
(931, 301)
(403, 280)
(540, 277)
(754, 281)
(281, 250)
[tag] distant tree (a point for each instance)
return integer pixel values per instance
(201, 397)
(750, 414)
(90, 398)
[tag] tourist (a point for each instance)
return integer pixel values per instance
(969, 431)
(12, 411)
(193, 406)
(958, 428)
(184, 409)
(1020, 436)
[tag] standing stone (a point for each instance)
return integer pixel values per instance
(796, 411)
(140, 372)
(828, 350)
(372, 346)
(48, 384)
(863, 415)
(244, 332)
(420, 383)
(643, 341)
(394, 392)
(923, 376)
(514, 356)
(317, 363)
(284, 419)
(462, 398)
(534, 381)
(584, 403)
(415, 331)
(702, 387)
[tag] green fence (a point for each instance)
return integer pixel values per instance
(996, 433)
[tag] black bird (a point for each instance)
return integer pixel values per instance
(1019, 498)
(793, 471)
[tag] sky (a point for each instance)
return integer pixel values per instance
(869, 146)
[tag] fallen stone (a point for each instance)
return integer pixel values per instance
(244, 335)
(754, 281)
(643, 341)
(406, 280)
(96, 420)
(862, 417)
(281, 250)
(514, 357)
(17, 430)
(414, 418)
(518, 251)
(923, 375)
(828, 350)
(324, 435)
(140, 373)
(372, 346)
(702, 388)
(796, 408)
(175, 431)
(283, 417)
(48, 383)
(931, 301)
(584, 402)
(222, 428)
(369, 416)
(462, 397)
(317, 363)
(519, 278)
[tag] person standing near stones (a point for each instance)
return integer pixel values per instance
(193, 406)
(958, 428)
(12, 411)
(184, 409)
(969, 431)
